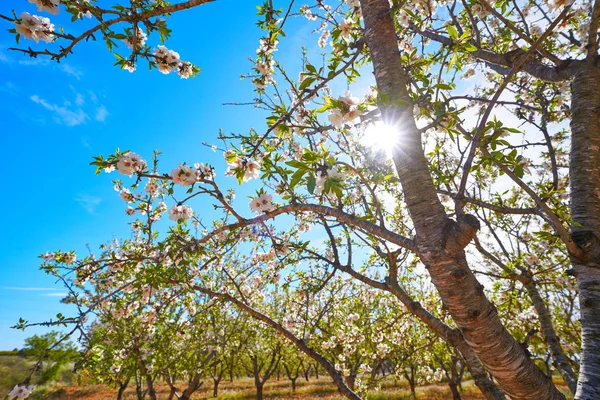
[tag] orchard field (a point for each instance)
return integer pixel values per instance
(66, 388)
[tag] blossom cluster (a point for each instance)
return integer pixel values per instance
(35, 27)
(180, 212)
(322, 176)
(130, 163)
(345, 29)
(250, 167)
(419, 7)
(479, 11)
(139, 40)
(169, 61)
(349, 114)
(50, 6)
(20, 392)
(265, 69)
(185, 175)
(262, 203)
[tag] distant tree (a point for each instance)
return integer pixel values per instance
(50, 362)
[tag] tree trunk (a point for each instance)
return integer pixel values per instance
(151, 392)
(193, 385)
(454, 390)
(149, 383)
(216, 387)
(584, 174)
(411, 381)
(172, 393)
(259, 391)
(441, 241)
(558, 356)
(459, 378)
(317, 371)
(293, 384)
(138, 387)
(122, 387)
(307, 373)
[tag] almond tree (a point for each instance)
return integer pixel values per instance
(392, 212)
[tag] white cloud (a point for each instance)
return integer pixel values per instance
(63, 114)
(88, 202)
(10, 88)
(93, 96)
(79, 99)
(101, 113)
(35, 61)
(57, 294)
(71, 70)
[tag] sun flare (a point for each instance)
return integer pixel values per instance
(380, 137)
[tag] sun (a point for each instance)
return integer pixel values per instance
(380, 136)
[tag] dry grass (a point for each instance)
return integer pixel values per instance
(244, 389)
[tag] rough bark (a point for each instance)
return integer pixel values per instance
(584, 173)
(438, 238)
(271, 367)
(558, 356)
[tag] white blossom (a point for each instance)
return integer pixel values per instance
(35, 27)
(50, 6)
(180, 212)
(183, 175)
(20, 392)
(129, 163)
(262, 203)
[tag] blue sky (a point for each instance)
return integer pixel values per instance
(57, 116)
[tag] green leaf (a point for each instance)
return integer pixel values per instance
(296, 177)
(443, 86)
(470, 48)
(296, 164)
(519, 171)
(452, 32)
(451, 62)
(306, 83)
(311, 182)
